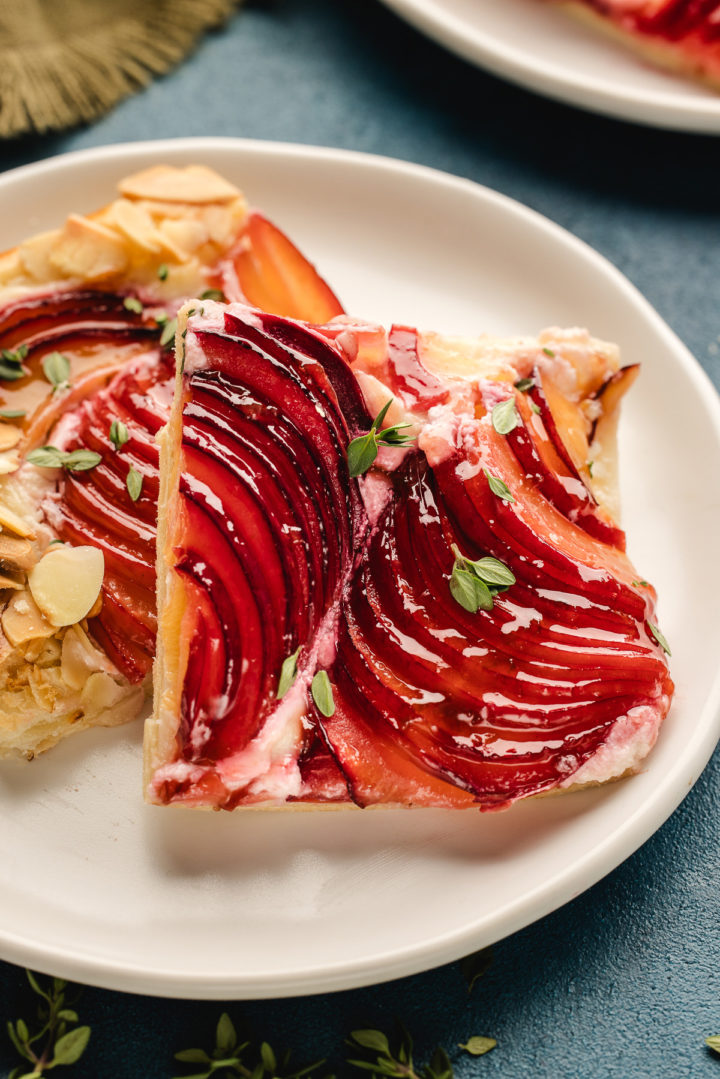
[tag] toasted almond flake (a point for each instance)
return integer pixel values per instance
(136, 223)
(10, 580)
(195, 183)
(34, 254)
(88, 250)
(66, 582)
(22, 620)
(16, 554)
(11, 522)
(9, 462)
(185, 235)
(80, 658)
(11, 267)
(9, 436)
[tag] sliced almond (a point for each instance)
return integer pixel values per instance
(11, 267)
(16, 553)
(185, 235)
(35, 254)
(89, 250)
(9, 436)
(66, 583)
(195, 183)
(9, 462)
(9, 580)
(80, 658)
(136, 223)
(11, 522)
(22, 620)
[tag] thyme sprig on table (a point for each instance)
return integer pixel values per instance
(58, 1040)
(232, 1058)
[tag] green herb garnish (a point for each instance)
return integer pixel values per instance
(213, 294)
(167, 337)
(12, 413)
(119, 434)
(134, 483)
(56, 369)
(163, 271)
(11, 363)
(535, 408)
(288, 673)
(322, 693)
(475, 584)
(230, 1058)
(478, 1046)
(58, 1040)
(505, 416)
(131, 303)
(397, 1063)
(659, 638)
(590, 468)
(640, 584)
(74, 461)
(549, 352)
(524, 384)
(363, 450)
(498, 487)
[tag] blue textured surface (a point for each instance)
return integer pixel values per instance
(623, 983)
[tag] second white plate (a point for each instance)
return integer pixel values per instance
(98, 887)
(531, 43)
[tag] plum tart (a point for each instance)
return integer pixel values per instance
(390, 570)
(87, 318)
(679, 35)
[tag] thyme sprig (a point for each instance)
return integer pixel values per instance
(74, 461)
(474, 585)
(398, 1063)
(363, 450)
(58, 1039)
(233, 1058)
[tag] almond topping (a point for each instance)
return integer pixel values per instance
(22, 620)
(88, 250)
(196, 183)
(137, 224)
(66, 583)
(16, 553)
(9, 436)
(12, 523)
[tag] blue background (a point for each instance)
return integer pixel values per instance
(625, 980)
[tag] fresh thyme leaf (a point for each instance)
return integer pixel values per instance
(361, 453)
(15, 356)
(590, 468)
(549, 352)
(713, 1042)
(524, 384)
(225, 1035)
(131, 303)
(493, 572)
(478, 1046)
(659, 638)
(498, 487)
(9, 373)
(288, 673)
(161, 318)
(119, 434)
(213, 294)
(71, 1046)
(163, 270)
(469, 591)
(371, 1039)
(535, 408)
(167, 337)
(640, 584)
(322, 694)
(134, 483)
(12, 413)
(46, 457)
(56, 368)
(505, 416)
(11, 363)
(363, 450)
(80, 460)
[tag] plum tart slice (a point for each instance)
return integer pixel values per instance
(87, 314)
(679, 35)
(390, 570)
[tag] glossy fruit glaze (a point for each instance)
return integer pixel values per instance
(433, 705)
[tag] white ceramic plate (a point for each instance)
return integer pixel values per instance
(98, 887)
(537, 46)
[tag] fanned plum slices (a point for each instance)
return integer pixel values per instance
(312, 645)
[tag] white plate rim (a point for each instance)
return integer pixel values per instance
(467, 39)
(545, 898)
